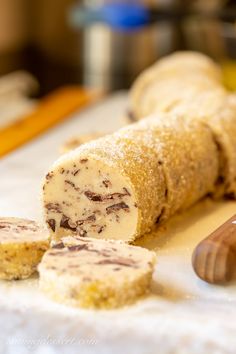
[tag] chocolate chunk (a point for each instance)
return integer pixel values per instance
(119, 261)
(75, 172)
(220, 180)
(52, 224)
(49, 175)
(166, 193)
(90, 218)
(88, 248)
(126, 192)
(159, 216)
(96, 197)
(82, 233)
(72, 184)
(106, 183)
(101, 229)
(78, 247)
(115, 207)
(84, 160)
(53, 207)
(23, 227)
(230, 196)
(66, 203)
(5, 225)
(59, 245)
(67, 224)
(93, 196)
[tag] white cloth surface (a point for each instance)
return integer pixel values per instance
(182, 316)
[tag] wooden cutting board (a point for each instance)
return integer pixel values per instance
(51, 110)
(183, 314)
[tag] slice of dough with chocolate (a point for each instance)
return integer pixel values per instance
(96, 273)
(22, 245)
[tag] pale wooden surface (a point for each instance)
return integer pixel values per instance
(184, 315)
(214, 258)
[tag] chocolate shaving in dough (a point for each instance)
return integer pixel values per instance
(67, 224)
(59, 245)
(88, 219)
(52, 224)
(53, 207)
(119, 261)
(96, 197)
(116, 207)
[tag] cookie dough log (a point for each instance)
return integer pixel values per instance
(112, 187)
(22, 245)
(177, 77)
(94, 273)
(187, 153)
(218, 112)
(123, 185)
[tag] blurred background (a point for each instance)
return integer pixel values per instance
(106, 44)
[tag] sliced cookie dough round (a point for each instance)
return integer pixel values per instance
(188, 69)
(164, 96)
(22, 245)
(217, 110)
(93, 273)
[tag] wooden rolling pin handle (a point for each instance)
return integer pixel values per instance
(214, 259)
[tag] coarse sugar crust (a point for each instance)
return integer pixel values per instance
(22, 245)
(95, 273)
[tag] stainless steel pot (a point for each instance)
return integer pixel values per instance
(112, 59)
(114, 56)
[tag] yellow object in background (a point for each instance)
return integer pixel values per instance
(229, 72)
(51, 110)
